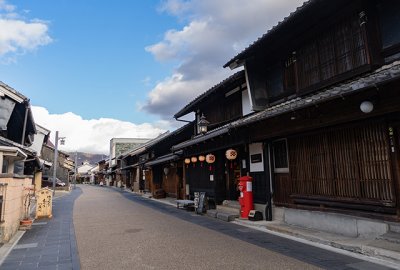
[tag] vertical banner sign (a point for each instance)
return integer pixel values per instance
(199, 202)
(44, 205)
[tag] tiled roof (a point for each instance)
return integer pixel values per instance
(189, 107)
(141, 148)
(275, 28)
(202, 137)
(163, 159)
(382, 75)
(6, 142)
(8, 90)
(155, 141)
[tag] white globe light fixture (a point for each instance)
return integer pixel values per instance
(366, 106)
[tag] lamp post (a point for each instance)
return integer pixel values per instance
(62, 142)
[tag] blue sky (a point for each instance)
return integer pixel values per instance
(96, 65)
(95, 70)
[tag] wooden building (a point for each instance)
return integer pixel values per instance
(165, 170)
(132, 168)
(152, 167)
(324, 87)
(225, 102)
(18, 162)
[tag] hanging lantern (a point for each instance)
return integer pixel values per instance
(166, 170)
(231, 154)
(201, 159)
(210, 159)
(193, 160)
(187, 161)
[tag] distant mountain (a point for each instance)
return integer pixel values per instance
(91, 158)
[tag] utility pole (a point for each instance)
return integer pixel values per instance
(76, 168)
(55, 163)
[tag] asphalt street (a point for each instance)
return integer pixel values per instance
(120, 230)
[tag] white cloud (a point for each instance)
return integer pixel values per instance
(94, 135)
(18, 35)
(214, 32)
(6, 7)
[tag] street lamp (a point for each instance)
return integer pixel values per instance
(62, 142)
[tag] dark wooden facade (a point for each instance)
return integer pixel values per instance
(221, 105)
(141, 171)
(330, 156)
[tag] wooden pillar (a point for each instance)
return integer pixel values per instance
(10, 168)
(1, 162)
(394, 140)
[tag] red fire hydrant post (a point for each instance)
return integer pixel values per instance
(246, 196)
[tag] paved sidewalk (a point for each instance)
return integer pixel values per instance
(50, 243)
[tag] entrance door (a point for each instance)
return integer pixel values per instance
(181, 187)
(280, 169)
(232, 179)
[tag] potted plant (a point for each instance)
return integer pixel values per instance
(27, 220)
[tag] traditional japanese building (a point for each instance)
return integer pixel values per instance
(324, 87)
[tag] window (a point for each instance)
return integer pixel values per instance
(4, 168)
(389, 17)
(338, 50)
(256, 80)
(281, 164)
(266, 83)
(275, 88)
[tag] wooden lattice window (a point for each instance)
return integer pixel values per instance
(338, 50)
(348, 163)
(389, 18)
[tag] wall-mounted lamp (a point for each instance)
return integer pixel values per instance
(203, 124)
(366, 106)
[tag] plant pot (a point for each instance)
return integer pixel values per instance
(26, 222)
